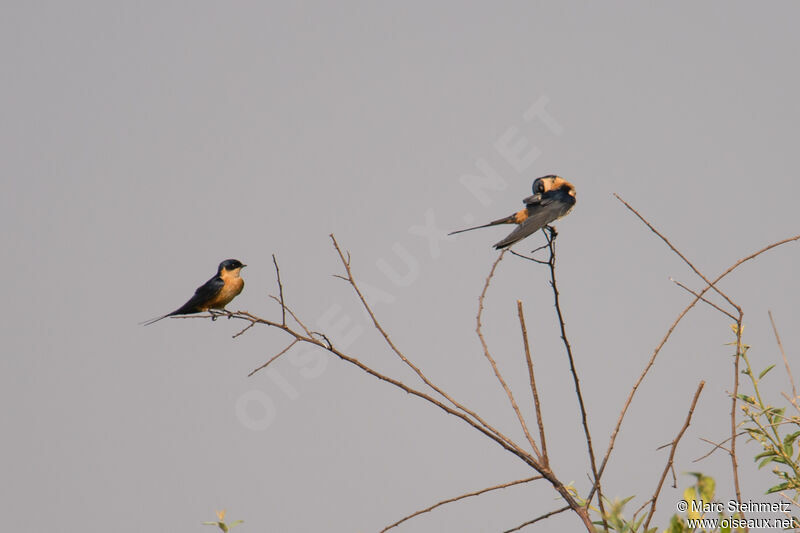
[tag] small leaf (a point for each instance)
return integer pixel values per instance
(764, 372)
(767, 453)
(747, 399)
(778, 488)
(791, 437)
(765, 462)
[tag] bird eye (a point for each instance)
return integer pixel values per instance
(539, 187)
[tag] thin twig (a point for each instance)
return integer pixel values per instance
(488, 355)
(288, 309)
(299, 337)
(534, 391)
(242, 332)
(463, 496)
(528, 459)
(785, 360)
(709, 302)
(679, 254)
(274, 357)
(664, 340)
(458, 410)
(573, 370)
(654, 498)
(280, 289)
(351, 280)
(537, 519)
(734, 399)
(523, 256)
(716, 446)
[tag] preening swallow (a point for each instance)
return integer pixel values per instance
(553, 197)
(215, 293)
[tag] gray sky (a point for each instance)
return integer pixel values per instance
(143, 144)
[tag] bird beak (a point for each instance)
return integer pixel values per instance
(243, 266)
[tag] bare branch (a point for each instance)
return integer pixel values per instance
(709, 302)
(734, 399)
(535, 392)
(287, 309)
(463, 496)
(716, 446)
(242, 332)
(309, 339)
(350, 279)
(492, 362)
(274, 357)
(785, 360)
(671, 247)
(654, 498)
(664, 340)
(551, 241)
(537, 519)
(280, 289)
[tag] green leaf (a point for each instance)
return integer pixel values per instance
(765, 462)
(747, 399)
(777, 488)
(764, 372)
(767, 453)
(791, 437)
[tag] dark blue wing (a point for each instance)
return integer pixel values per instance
(204, 293)
(547, 210)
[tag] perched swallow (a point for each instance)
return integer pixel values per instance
(553, 197)
(215, 293)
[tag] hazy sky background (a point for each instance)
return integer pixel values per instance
(144, 143)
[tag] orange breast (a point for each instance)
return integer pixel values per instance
(231, 289)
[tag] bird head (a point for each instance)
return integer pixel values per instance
(552, 183)
(231, 265)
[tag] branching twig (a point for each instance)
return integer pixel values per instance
(274, 357)
(280, 289)
(463, 496)
(242, 332)
(351, 280)
(534, 391)
(551, 241)
(654, 498)
(666, 337)
(537, 519)
(734, 399)
(678, 253)
(785, 360)
(709, 302)
(492, 362)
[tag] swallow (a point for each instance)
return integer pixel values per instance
(215, 293)
(553, 197)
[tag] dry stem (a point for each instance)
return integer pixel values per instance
(674, 446)
(463, 496)
(492, 362)
(534, 391)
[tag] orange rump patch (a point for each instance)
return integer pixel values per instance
(520, 216)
